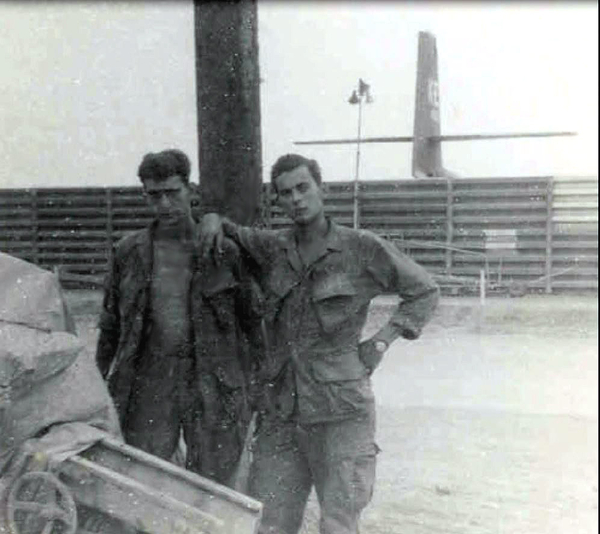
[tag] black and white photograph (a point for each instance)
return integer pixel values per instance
(300, 267)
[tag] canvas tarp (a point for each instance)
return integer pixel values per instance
(31, 296)
(52, 397)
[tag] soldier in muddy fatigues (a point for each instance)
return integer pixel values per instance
(175, 332)
(317, 410)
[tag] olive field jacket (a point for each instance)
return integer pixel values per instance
(225, 306)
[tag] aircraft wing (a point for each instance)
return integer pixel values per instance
(477, 137)
(405, 139)
(435, 138)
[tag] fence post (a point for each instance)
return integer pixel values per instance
(34, 226)
(449, 223)
(356, 189)
(549, 232)
(482, 283)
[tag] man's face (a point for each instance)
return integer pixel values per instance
(170, 198)
(299, 195)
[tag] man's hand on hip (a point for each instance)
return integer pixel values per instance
(370, 353)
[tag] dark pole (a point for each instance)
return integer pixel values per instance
(228, 104)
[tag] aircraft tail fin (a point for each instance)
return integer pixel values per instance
(427, 138)
(427, 151)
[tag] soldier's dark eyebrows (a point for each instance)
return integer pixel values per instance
(164, 189)
(155, 193)
(301, 186)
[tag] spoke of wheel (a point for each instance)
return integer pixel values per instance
(55, 513)
(27, 506)
(57, 504)
(48, 528)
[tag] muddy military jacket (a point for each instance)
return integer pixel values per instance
(316, 314)
(225, 317)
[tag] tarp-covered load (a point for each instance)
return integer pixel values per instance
(63, 466)
(52, 397)
(31, 297)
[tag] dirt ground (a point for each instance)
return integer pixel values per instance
(487, 424)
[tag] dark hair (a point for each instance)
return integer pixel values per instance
(163, 165)
(289, 162)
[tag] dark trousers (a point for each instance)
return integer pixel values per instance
(160, 406)
(166, 400)
(338, 458)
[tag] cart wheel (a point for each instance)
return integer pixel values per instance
(38, 503)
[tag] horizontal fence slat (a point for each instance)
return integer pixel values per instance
(79, 234)
(405, 219)
(469, 231)
(399, 206)
(407, 233)
(79, 256)
(519, 245)
(509, 270)
(504, 259)
(570, 204)
(13, 223)
(538, 204)
(486, 219)
(400, 195)
(576, 218)
(68, 211)
(574, 243)
(70, 245)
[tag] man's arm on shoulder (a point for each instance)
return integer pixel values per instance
(249, 303)
(249, 297)
(259, 244)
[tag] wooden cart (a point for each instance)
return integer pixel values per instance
(113, 488)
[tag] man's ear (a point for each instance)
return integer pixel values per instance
(145, 194)
(195, 204)
(273, 195)
(324, 188)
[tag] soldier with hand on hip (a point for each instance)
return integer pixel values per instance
(316, 423)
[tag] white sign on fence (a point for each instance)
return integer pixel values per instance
(500, 239)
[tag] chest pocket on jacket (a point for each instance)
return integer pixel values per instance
(334, 299)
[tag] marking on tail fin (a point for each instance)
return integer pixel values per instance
(433, 95)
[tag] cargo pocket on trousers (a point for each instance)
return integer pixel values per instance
(363, 479)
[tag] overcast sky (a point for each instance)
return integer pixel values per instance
(88, 88)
